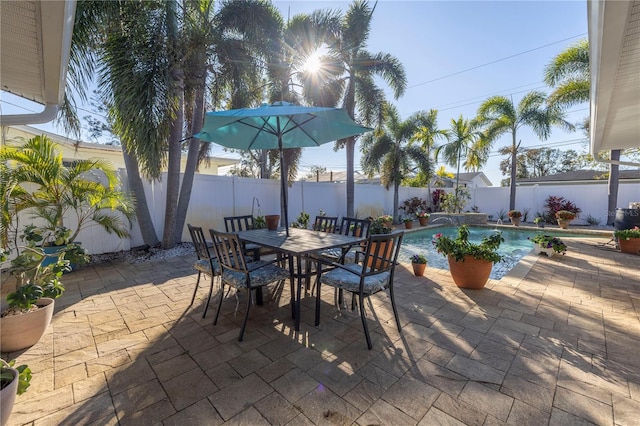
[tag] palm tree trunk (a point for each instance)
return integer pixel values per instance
(192, 157)
(614, 176)
(396, 188)
(512, 186)
(142, 208)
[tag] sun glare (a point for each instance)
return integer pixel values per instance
(313, 63)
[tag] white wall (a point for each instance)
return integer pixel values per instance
(215, 197)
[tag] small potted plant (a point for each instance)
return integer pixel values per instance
(259, 222)
(548, 245)
(408, 222)
(13, 381)
(564, 217)
(539, 222)
(628, 240)
(514, 216)
(470, 264)
(387, 219)
(419, 263)
(381, 226)
(423, 218)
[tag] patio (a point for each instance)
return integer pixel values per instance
(554, 342)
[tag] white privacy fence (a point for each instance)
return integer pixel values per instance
(215, 197)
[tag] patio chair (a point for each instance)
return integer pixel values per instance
(325, 224)
(240, 274)
(205, 263)
(243, 223)
(375, 274)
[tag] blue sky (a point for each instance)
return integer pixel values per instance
(457, 54)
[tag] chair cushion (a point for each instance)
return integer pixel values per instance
(333, 255)
(350, 279)
(203, 265)
(264, 275)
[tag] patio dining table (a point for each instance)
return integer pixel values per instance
(298, 246)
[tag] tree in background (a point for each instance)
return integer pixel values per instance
(387, 151)
(427, 135)
(498, 115)
(349, 76)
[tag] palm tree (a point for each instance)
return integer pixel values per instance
(569, 75)
(427, 133)
(499, 115)
(349, 73)
(466, 142)
(388, 151)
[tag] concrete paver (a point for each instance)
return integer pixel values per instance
(553, 342)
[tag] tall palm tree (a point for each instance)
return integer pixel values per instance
(427, 134)
(349, 75)
(569, 75)
(388, 151)
(500, 116)
(465, 141)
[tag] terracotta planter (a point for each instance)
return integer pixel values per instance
(408, 225)
(423, 221)
(385, 251)
(632, 245)
(515, 221)
(24, 330)
(8, 397)
(563, 223)
(471, 273)
(418, 269)
(389, 223)
(272, 221)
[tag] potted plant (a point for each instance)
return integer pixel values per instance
(564, 217)
(381, 226)
(539, 222)
(408, 223)
(37, 182)
(30, 307)
(470, 264)
(13, 381)
(302, 221)
(387, 219)
(272, 221)
(419, 264)
(514, 216)
(548, 245)
(259, 222)
(423, 218)
(628, 240)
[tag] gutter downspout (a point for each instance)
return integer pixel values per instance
(48, 114)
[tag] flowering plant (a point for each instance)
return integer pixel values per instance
(461, 247)
(547, 241)
(626, 234)
(418, 258)
(565, 215)
(407, 219)
(386, 218)
(422, 215)
(380, 226)
(514, 213)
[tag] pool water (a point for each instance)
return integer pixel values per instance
(515, 246)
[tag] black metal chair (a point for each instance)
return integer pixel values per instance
(239, 274)
(205, 263)
(375, 274)
(243, 223)
(325, 224)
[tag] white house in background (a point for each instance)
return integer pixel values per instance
(71, 150)
(581, 177)
(475, 180)
(341, 177)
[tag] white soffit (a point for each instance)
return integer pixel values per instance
(614, 42)
(35, 39)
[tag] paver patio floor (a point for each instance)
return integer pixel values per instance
(554, 342)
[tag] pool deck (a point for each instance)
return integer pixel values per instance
(553, 342)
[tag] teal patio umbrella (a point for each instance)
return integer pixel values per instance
(280, 125)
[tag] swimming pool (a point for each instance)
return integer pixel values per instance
(515, 246)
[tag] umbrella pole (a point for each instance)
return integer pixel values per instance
(283, 182)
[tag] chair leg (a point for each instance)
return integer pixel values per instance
(395, 311)
(318, 303)
(246, 316)
(206, 308)
(193, 298)
(215, 320)
(364, 322)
